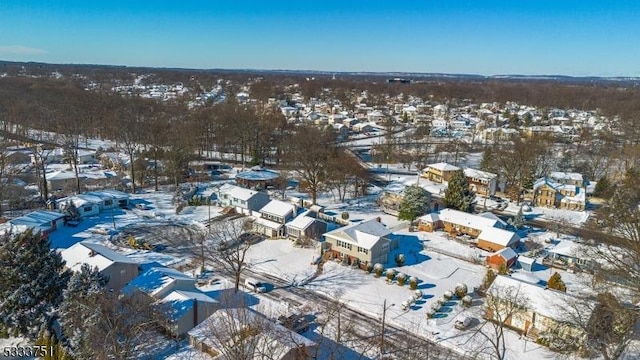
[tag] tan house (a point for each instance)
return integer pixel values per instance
(494, 239)
(459, 222)
(545, 311)
(367, 241)
(440, 172)
(549, 193)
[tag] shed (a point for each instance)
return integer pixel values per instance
(505, 256)
(526, 263)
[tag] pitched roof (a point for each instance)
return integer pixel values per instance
(181, 301)
(443, 166)
(465, 219)
(478, 174)
(499, 236)
(365, 234)
(559, 175)
(237, 192)
(278, 208)
(95, 255)
(506, 253)
(547, 302)
(155, 279)
(268, 223)
(301, 222)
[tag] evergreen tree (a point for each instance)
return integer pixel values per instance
(518, 220)
(76, 311)
(458, 196)
(32, 278)
(71, 212)
(603, 187)
(555, 282)
(415, 202)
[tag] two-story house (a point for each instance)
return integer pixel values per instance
(273, 217)
(367, 242)
(305, 227)
(549, 193)
(243, 200)
(440, 172)
(481, 182)
(568, 178)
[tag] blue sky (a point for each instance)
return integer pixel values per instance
(481, 37)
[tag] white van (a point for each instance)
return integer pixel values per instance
(254, 285)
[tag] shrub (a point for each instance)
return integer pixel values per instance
(179, 207)
(413, 283)
(345, 215)
(400, 259)
(461, 290)
(378, 269)
(467, 300)
(368, 268)
(391, 274)
(556, 282)
(442, 300)
(447, 295)
(430, 313)
(402, 278)
(345, 260)
(417, 295)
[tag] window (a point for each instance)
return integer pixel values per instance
(87, 208)
(363, 250)
(108, 202)
(343, 244)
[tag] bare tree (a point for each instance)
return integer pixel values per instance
(227, 246)
(503, 304)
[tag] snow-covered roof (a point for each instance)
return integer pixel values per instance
(301, 222)
(37, 218)
(277, 338)
(492, 216)
(442, 166)
(268, 223)
(155, 279)
(429, 218)
(465, 219)
(498, 236)
(181, 301)
(237, 192)
(365, 234)
(547, 302)
(257, 173)
(526, 260)
(559, 175)
(79, 201)
(479, 174)
(278, 208)
(507, 253)
(568, 248)
(95, 255)
(115, 193)
(63, 175)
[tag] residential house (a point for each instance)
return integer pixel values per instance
(549, 193)
(86, 205)
(119, 197)
(44, 221)
(568, 178)
(362, 127)
(439, 124)
(63, 180)
(105, 200)
(494, 239)
(259, 337)
(243, 200)
(273, 217)
(545, 309)
(481, 182)
(367, 242)
(186, 305)
(526, 263)
(440, 172)
(572, 255)
(505, 257)
(305, 226)
(459, 222)
(117, 267)
(257, 178)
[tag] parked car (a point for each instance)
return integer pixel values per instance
(254, 285)
(295, 322)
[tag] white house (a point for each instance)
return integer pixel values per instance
(272, 218)
(87, 205)
(243, 200)
(481, 182)
(119, 268)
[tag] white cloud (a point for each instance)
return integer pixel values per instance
(20, 50)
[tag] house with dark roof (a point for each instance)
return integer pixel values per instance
(367, 241)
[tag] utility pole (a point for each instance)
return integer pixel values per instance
(384, 318)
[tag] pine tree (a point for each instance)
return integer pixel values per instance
(458, 196)
(518, 220)
(555, 282)
(603, 187)
(83, 291)
(416, 201)
(31, 282)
